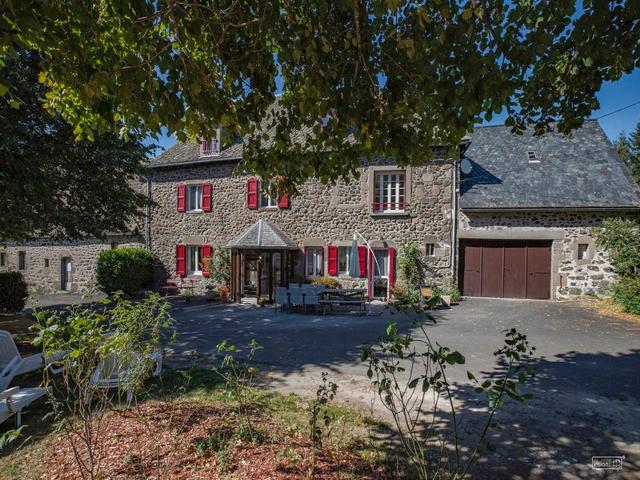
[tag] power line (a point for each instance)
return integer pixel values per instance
(618, 110)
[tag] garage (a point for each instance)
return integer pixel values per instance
(505, 269)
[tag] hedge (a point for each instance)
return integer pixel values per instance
(129, 269)
(13, 292)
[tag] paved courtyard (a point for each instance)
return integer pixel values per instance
(587, 387)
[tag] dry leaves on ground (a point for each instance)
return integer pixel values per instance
(159, 440)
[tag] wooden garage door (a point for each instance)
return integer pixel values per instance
(510, 269)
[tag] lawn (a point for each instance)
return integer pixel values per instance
(188, 426)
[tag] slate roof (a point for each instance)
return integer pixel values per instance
(581, 170)
(262, 235)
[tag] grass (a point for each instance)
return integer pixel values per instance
(192, 408)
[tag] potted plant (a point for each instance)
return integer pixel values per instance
(219, 267)
(224, 293)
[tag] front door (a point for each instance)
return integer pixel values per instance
(65, 273)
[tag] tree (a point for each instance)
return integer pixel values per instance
(628, 147)
(360, 78)
(51, 184)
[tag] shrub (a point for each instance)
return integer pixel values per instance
(621, 237)
(129, 269)
(627, 293)
(219, 268)
(13, 292)
(328, 282)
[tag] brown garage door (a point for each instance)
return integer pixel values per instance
(510, 269)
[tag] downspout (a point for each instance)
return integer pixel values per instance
(147, 219)
(454, 219)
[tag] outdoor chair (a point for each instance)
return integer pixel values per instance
(113, 373)
(12, 363)
(15, 399)
(282, 297)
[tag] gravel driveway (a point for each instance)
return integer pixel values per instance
(586, 391)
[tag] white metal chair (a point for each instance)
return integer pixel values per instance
(12, 363)
(282, 297)
(112, 373)
(15, 399)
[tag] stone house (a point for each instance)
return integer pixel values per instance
(511, 216)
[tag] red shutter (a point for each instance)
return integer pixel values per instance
(362, 260)
(392, 266)
(181, 260)
(206, 254)
(252, 193)
(332, 252)
(206, 197)
(283, 201)
(182, 198)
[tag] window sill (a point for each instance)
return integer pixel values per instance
(194, 275)
(269, 208)
(402, 213)
(194, 211)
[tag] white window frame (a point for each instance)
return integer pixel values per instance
(389, 191)
(191, 252)
(346, 252)
(198, 198)
(317, 265)
(266, 200)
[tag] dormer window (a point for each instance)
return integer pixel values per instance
(532, 156)
(211, 146)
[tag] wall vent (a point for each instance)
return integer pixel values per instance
(532, 156)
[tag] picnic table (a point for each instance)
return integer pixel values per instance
(344, 296)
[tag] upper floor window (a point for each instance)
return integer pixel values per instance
(3, 259)
(194, 198)
(389, 191)
(430, 250)
(194, 259)
(314, 261)
(266, 199)
(583, 249)
(22, 260)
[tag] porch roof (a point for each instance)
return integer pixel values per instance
(261, 236)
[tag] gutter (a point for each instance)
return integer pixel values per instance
(621, 208)
(193, 162)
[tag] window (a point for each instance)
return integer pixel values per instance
(532, 156)
(344, 260)
(583, 248)
(194, 198)
(314, 261)
(381, 263)
(389, 192)
(430, 250)
(3, 259)
(267, 200)
(46, 263)
(22, 260)
(194, 259)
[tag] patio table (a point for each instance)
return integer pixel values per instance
(344, 296)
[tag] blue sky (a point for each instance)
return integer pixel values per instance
(613, 96)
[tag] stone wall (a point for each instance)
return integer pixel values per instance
(571, 276)
(321, 215)
(44, 262)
